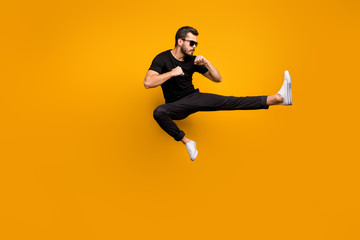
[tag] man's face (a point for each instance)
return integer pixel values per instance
(185, 47)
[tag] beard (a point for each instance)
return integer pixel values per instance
(183, 50)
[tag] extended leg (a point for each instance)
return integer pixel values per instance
(214, 102)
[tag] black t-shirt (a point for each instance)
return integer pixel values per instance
(180, 86)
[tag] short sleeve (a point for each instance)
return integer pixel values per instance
(157, 64)
(201, 69)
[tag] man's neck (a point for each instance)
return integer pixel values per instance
(178, 54)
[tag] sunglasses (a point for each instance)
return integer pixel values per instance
(192, 43)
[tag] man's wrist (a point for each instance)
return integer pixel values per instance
(172, 74)
(207, 65)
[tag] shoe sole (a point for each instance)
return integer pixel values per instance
(196, 153)
(289, 93)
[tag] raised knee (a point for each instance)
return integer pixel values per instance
(159, 112)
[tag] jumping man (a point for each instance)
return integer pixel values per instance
(173, 70)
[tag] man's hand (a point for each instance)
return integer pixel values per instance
(212, 73)
(177, 71)
(200, 60)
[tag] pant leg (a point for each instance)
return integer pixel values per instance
(214, 102)
(166, 113)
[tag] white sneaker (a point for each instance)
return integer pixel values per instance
(285, 90)
(191, 147)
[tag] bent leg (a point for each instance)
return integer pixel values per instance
(166, 113)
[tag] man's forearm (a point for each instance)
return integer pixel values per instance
(157, 80)
(154, 79)
(213, 72)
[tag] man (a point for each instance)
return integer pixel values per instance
(173, 70)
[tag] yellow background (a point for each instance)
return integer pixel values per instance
(83, 158)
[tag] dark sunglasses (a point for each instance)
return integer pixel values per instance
(192, 43)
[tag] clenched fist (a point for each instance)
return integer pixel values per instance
(177, 71)
(200, 60)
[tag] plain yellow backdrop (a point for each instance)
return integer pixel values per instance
(83, 158)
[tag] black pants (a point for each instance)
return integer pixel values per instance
(197, 101)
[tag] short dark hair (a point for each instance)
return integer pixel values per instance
(183, 31)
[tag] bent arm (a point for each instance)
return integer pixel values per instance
(213, 74)
(154, 79)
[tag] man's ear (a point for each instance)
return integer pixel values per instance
(180, 41)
